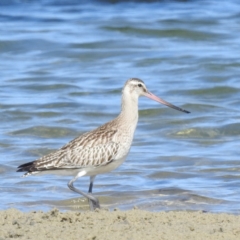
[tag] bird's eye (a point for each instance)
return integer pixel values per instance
(140, 85)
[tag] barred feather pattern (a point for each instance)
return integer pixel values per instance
(96, 148)
(108, 145)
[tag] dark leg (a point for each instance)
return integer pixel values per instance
(91, 184)
(92, 204)
(93, 201)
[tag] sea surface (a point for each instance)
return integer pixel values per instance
(62, 68)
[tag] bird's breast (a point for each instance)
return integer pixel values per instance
(124, 139)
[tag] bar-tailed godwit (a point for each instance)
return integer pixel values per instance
(100, 150)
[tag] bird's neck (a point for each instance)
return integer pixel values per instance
(129, 111)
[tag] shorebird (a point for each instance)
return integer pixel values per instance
(98, 151)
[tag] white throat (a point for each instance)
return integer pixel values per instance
(129, 111)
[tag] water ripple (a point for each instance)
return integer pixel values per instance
(63, 66)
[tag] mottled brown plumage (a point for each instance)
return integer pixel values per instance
(90, 149)
(100, 150)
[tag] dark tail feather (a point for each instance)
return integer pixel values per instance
(25, 167)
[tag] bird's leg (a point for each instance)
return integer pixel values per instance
(93, 201)
(91, 184)
(92, 204)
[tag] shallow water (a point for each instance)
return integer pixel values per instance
(63, 65)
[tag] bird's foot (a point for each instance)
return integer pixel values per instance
(93, 203)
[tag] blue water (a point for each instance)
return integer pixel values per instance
(63, 65)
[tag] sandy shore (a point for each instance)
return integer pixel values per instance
(133, 224)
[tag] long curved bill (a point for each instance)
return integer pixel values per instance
(157, 99)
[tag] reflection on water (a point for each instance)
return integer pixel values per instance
(62, 70)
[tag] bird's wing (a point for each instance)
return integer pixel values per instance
(80, 157)
(94, 148)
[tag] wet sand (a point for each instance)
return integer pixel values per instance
(103, 224)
